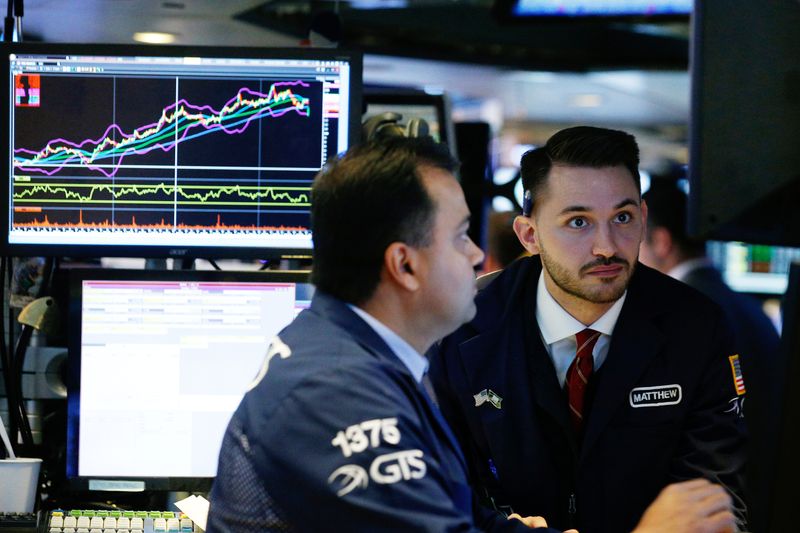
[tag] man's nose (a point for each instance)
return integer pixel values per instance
(477, 254)
(604, 244)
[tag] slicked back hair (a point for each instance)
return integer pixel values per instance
(363, 202)
(579, 146)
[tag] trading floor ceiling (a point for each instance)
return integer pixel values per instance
(603, 72)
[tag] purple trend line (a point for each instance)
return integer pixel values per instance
(169, 107)
(164, 147)
(167, 147)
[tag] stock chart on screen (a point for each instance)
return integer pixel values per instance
(173, 152)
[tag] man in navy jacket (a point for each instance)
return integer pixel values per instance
(662, 397)
(338, 432)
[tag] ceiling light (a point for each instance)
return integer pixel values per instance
(154, 37)
(533, 77)
(586, 100)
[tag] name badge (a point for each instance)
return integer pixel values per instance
(656, 396)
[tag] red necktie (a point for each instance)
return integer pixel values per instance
(578, 376)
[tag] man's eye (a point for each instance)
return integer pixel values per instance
(577, 223)
(624, 217)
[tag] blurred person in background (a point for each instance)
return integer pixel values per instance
(668, 248)
(502, 246)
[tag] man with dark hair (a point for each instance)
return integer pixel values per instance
(587, 382)
(380, 186)
(338, 432)
(669, 249)
(666, 223)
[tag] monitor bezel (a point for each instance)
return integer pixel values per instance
(7, 248)
(72, 371)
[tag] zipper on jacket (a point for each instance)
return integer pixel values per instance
(572, 508)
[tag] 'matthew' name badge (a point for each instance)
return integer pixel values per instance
(656, 396)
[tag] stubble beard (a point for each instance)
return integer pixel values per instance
(611, 290)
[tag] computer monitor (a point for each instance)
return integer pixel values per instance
(592, 8)
(434, 109)
(754, 268)
(158, 362)
(744, 165)
(144, 151)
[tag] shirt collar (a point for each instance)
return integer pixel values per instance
(555, 323)
(681, 270)
(416, 363)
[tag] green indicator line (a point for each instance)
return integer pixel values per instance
(284, 195)
(174, 125)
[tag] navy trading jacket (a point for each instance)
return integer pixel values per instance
(665, 406)
(336, 435)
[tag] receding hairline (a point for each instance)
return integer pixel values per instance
(428, 173)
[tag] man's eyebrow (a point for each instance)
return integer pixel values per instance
(574, 209)
(626, 202)
(583, 209)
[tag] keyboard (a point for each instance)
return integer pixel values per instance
(18, 522)
(77, 521)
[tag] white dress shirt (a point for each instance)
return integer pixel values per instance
(558, 328)
(682, 270)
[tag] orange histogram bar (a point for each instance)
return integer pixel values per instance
(107, 224)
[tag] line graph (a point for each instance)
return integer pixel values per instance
(179, 122)
(170, 154)
(149, 194)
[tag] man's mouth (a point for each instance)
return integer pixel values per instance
(605, 271)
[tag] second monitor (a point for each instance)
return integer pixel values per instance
(158, 362)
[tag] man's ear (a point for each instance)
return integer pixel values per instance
(525, 228)
(401, 263)
(660, 242)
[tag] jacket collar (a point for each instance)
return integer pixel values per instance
(337, 312)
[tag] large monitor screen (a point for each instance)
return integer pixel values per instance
(158, 362)
(594, 8)
(744, 162)
(169, 151)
